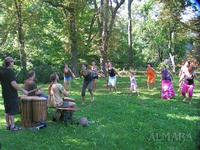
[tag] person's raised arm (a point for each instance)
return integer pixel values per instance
(73, 75)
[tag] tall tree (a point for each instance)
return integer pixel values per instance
(21, 39)
(73, 37)
(130, 43)
(107, 14)
(173, 10)
(70, 10)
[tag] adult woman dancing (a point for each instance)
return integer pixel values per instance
(187, 80)
(68, 76)
(183, 69)
(167, 85)
(94, 75)
(87, 82)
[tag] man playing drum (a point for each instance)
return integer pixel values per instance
(31, 86)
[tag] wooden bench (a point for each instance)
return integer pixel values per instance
(65, 114)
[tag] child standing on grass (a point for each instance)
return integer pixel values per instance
(151, 76)
(133, 86)
(112, 78)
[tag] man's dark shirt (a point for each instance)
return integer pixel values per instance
(7, 75)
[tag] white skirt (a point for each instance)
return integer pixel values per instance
(112, 81)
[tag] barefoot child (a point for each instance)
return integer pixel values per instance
(112, 78)
(151, 76)
(133, 86)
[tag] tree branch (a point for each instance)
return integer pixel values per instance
(57, 4)
(114, 12)
(90, 29)
(97, 14)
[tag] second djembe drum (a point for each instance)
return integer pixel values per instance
(39, 110)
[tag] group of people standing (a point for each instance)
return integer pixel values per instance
(57, 92)
(186, 82)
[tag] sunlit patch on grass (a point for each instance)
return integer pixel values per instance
(74, 141)
(190, 118)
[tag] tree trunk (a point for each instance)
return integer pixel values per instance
(73, 38)
(172, 38)
(18, 5)
(173, 42)
(107, 28)
(170, 41)
(160, 53)
(130, 48)
(71, 13)
(104, 35)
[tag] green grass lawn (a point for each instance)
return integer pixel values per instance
(122, 122)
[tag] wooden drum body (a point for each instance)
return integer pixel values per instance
(39, 110)
(33, 110)
(26, 111)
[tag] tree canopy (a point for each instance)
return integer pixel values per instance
(44, 34)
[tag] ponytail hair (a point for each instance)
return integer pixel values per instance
(53, 77)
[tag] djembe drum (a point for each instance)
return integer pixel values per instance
(26, 111)
(39, 110)
(33, 110)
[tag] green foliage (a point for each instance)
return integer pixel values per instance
(47, 33)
